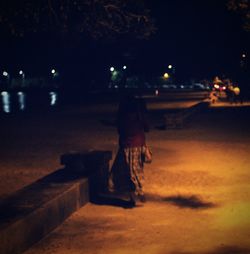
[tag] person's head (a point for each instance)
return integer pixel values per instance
(128, 104)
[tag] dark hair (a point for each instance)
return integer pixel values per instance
(128, 104)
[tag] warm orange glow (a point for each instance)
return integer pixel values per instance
(166, 75)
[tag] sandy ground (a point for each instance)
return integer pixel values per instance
(31, 145)
(198, 186)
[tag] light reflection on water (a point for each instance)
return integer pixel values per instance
(5, 101)
(20, 100)
(53, 98)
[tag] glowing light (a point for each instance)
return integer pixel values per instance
(5, 74)
(21, 72)
(216, 86)
(244, 55)
(236, 90)
(53, 98)
(21, 100)
(166, 75)
(6, 101)
(53, 71)
(156, 92)
(124, 67)
(112, 69)
(170, 66)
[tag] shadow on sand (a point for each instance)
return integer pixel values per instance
(221, 250)
(230, 250)
(192, 202)
(111, 200)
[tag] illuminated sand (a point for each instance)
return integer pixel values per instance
(198, 187)
(30, 146)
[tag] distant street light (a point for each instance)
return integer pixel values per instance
(54, 73)
(7, 77)
(170, 66)
(22, 74)
(243, 55)
(166, 75)
(5, 74)
(118, 76)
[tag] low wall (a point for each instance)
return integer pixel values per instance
(34, 211)
(177, 120)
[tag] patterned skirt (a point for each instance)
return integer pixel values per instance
(127, 174)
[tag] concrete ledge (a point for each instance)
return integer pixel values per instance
(177, 120)
(94, 164)
(34, 211)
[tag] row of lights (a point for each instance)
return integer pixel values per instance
(170, 66)
(6, 74)
(165, 75)
(6, 100)
(112, 69)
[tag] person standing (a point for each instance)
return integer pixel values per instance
(237, 95)
(127, 173)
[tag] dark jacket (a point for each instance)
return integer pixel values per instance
(132, 124)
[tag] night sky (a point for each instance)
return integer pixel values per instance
(200, 38)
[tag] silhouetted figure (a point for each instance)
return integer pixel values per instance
(213, 96)
(127, 174)
(237, 95)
